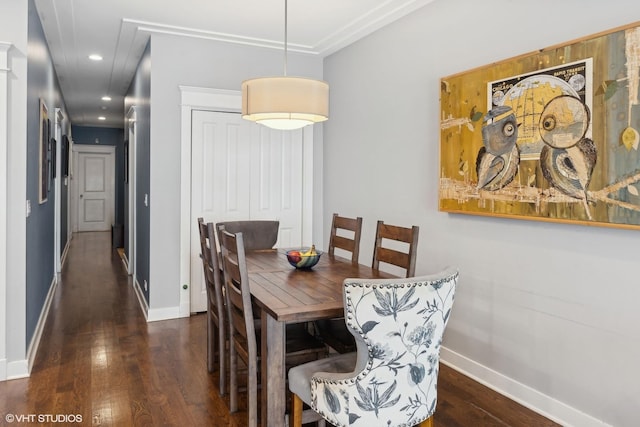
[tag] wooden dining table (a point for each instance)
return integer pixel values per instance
(288, 295)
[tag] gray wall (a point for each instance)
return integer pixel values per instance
(42, 83)
(193, 62)
(547, 313)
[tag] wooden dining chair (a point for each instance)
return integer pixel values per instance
(393, 255)
(391, 380)
(216, 307)
(345, 235)
(244, 326)
(257, 234)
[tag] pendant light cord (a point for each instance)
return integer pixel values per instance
(285, 38)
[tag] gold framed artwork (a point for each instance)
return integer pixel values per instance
(43, 149)
(551, 135)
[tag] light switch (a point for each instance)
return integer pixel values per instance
(28, 208)
(146, 199)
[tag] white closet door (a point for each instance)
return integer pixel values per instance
(276, 181)
(240, 170)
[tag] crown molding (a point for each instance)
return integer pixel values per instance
(157, 28)
(360, 27)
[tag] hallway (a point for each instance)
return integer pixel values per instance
(100, 359)
(101, 364)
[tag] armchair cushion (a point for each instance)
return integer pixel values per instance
(299, 375)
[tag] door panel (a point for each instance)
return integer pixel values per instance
(276, 190)
(219, 182)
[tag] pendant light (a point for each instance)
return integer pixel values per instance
(285, 102)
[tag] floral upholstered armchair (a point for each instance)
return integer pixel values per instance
(391, 379)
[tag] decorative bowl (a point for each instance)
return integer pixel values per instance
(297, 258)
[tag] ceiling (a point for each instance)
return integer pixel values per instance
(118, 30)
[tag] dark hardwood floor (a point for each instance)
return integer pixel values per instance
(99, 359)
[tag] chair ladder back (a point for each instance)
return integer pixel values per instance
(405, 260)
(352, 245)
(237, 289)
(204, 246)
(216, 310)
(214, 270)
(234, 297)
(209, 258)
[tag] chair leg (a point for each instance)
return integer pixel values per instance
(252, 395)
(222, 361)
(211, 343)
(295, 419)
(233, 378)
(427, 423)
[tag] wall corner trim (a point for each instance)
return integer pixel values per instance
(4, 140)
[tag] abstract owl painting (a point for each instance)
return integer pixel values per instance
(497, 161)
(568, 158)
(549, 135)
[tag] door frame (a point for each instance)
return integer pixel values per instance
(94, 149)
(230, 101)
(59, 117)
(131, 193)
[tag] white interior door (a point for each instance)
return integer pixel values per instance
(240, 170)
(95, 188)
(276, 181)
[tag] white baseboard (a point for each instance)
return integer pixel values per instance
(63, 258)
(125, 261)
(141, 299)
(22, 368)
(37, 334)
(17, 369)
(154, 314)
(166, 313)
(521, 393)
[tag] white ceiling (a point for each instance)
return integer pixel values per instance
(119, 29)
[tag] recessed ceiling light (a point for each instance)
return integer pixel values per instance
(95, 57)
(103, 107)
(102, 118)
(106, 98)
